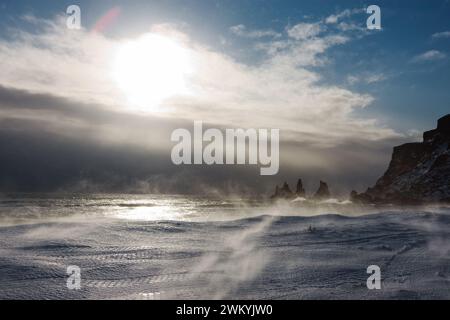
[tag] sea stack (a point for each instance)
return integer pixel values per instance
(323, 192)
(283, 193)
(300, 192)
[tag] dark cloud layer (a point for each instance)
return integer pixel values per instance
(54, 144)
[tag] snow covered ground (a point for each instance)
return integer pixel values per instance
(276, 254)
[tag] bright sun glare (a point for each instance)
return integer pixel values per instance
(152, 69)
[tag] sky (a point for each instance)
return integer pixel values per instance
(74, 118)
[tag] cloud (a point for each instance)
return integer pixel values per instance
(431, 55)
(303, 31)
(351, 79)
(349, 25)
(376, 78)
(366, 78)
(242, 31)
(58, 82)
(335, 18)
(302, 52)
(438, 35)
(280, 92)
(55, 60)
(22, 110)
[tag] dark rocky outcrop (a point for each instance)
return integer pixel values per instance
(286, 193)
(300, 192)
(283, 193)
(418, 172)
(323, 192)
(353, 195)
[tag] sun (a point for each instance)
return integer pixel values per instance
(151, 69)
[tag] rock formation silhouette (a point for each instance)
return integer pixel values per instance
(300, 192)
(323, 192)
(283, 193)
(286, 193)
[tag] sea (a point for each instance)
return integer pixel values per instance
(152, 247)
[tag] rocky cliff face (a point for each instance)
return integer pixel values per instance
(418, 172)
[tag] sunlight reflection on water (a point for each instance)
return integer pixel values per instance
(25, 208)
(153, 213)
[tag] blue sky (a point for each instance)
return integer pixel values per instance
(412, 95)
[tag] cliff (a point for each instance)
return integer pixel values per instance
(418, 172)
